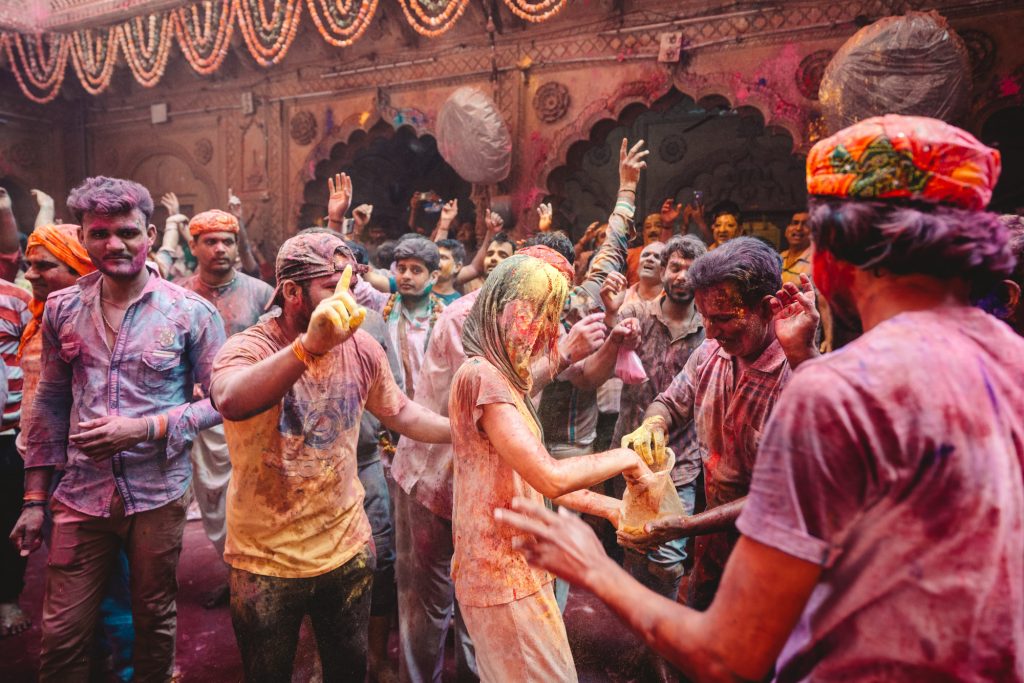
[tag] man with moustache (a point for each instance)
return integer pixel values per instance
(240, 300)
(796, 260)
(453, 255)
(649, 286)
(652, 231)
(122, 351)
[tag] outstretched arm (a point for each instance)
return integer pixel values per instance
(476, 267)
(245, 255)
(8, 225)
(419, 424)
(46, 213)
(762, 594)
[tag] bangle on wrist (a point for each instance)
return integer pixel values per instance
(302, 353)
(35, 496)
(33, 504)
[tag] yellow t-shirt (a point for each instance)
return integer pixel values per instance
(295, 504)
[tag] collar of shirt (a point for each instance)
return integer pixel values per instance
(695, 324)
(90, 284)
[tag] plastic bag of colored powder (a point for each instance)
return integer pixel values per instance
(651, 498)
(628, 367)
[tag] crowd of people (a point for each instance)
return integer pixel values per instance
(451, 433)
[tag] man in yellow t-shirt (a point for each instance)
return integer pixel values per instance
(291, 390)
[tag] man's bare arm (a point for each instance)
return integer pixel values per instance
(419, 424)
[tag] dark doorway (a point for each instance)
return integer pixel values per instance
(1003, 130)
(387, 166)
(707, 146)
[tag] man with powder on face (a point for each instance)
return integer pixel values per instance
(122, 351)
(882, 535)
(298, 540)
(240, 300)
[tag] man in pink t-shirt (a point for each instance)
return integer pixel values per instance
(883, 534)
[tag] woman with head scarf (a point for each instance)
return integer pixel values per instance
(509, 608)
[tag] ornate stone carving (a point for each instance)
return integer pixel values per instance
(981, 49)
(672, 149)
(810, 71)
(203, 151)
(23, 154)
(599, 155)
(303, 127)
(551, 101)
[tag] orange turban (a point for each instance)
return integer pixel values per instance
(904, 157)
(61, 241)
(213, 220)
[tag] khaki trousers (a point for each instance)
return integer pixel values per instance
(83, 551)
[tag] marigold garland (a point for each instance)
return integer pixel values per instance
(146, 51)
(535, 11)
(432, 18)
(203, 30)
(204, 37)
(341, 22)
(94, 57)
(268, 41)
(31, 69)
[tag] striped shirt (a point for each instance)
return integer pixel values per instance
(14, 316)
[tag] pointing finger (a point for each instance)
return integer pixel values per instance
(345, 282)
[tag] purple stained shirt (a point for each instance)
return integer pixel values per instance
(166, 344)
(240, 302)
(896, 465)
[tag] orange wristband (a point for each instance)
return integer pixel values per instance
(302, 353)
(31, 496)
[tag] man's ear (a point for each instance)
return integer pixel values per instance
(1012, 290)
(434, 274)
(290, 290)
(150, 234)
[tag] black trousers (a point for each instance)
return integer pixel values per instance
(12, 490)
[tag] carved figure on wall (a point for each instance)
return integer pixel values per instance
(253, 157)
(303, 127)
(551, 101)
(981, 49)
(23, 154)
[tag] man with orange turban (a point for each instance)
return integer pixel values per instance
(240, 300)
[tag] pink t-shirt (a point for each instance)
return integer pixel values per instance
(486, 569)
(896, 464)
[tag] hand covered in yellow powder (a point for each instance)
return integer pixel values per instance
(335, 319)
(649, 441)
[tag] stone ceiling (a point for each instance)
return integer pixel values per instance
(67, 15)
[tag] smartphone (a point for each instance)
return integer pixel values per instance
(698, 196)
(347, 226)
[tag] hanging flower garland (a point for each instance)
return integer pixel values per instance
(342, 22)
(536, 11)
(39, 78)
(431, 18)
(268, 41)
(147, 43)
(205, 36)
(93, 55)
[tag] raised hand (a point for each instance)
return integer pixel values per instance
(631, 162)
(796, 319)
(449, 211)
(339, 189)
(361, 214)
(42, 199)
(584, 338)
(335, 319)
(494, 222)
(670, 213)
(234, 205)
(544, 211)
(170, 202)
(613, 293)
(5, 200)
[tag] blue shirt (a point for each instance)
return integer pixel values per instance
(166, 344)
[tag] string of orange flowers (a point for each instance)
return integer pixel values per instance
(146, 47)
(268, 41)
(94, 56)
(40, 79)
(431, 19)
(342, 22)
(204, 45)
(203, 31)
(536, 11)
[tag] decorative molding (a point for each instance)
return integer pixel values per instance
(203, 150)
(551, 102)
(302, 127)
(811, 69)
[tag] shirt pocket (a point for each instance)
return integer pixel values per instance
(160, 367)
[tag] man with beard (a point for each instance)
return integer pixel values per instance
(299, 541)
(240, 300)
(882, 536)
(122, 350)
(453, 255)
